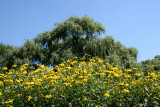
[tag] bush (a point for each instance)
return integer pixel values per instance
(79, 83)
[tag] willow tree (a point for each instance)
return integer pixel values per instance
(30, 52)
(75, 31)
(68, 38)
(110, 50)
(75, 36)
(151, 64)
(4, 49)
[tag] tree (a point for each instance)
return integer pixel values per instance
(3, 50)
(75, 36)
(151, 65)
(68, 37)
(27, 53)
(113, 52)
(32, 52)
(75, 30)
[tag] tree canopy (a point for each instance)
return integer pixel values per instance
(114, 52)
(76, 36)
(73, 32)
(4, 48)
(151, 65)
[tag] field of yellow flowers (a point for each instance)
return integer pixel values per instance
(79, 83)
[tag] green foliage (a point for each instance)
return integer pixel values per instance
(29, 52)
(76, 27)
(151, 65)
(114, 52)
(109, 79)
(79, 83)
(76, 30)
(75, 36)
(32, 52)
(4, 48)
(68, 38)
(61, 55)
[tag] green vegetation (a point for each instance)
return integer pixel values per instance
(4, 50)
(73, 37)
(72, 66)
(79, 83)
(151, 65)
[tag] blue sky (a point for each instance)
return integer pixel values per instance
(136, 23)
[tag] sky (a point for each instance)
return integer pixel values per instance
(135, 23)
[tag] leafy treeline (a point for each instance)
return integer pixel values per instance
(151, 65)
(75, 36)
(4, 50)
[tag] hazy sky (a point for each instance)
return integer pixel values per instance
(136, 23)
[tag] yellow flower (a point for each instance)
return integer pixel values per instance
(14, 65)
(121, 83)
(75, 57)
(100, 61)
(17, 95)
(18, 81)
(1, 83)
(42, 66)
(126, 91)
(68, 60)
(106, 95)
(98, 106)
(128, 70)
(148, 76)
(116, 75)
(85, 99)
(138, 74)
(62, 64)
(48, 96)
(69, 68)
(1, 75)
(26, 64)
(13, 92)
(126, 85)
(9, 101)
(0, 93)
(68, 84)
(90, 75)
(4, 68)
(102, 73)
(127, 75)
(153, 75)
(29, 98)
(72, 63)
(135, 68)
(39, 80)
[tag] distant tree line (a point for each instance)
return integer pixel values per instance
(76, 36)
(151, 65)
